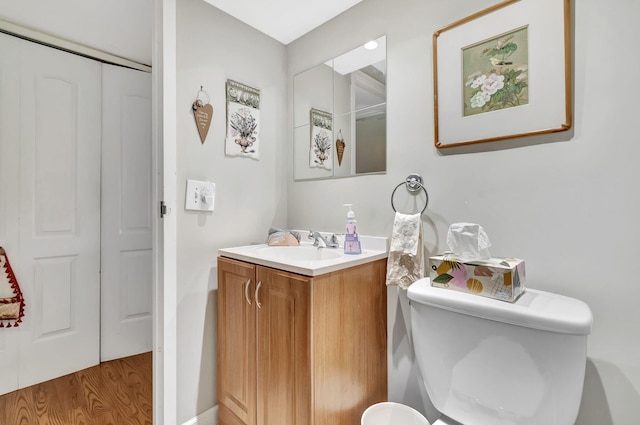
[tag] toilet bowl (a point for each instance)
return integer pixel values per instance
(485, 361)
(389, 413)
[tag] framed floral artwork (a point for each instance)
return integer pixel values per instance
(502, 73)
(320, 152)
(243, 120)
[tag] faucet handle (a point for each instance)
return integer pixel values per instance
(315, 236)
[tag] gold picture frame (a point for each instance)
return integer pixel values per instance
(517, 59)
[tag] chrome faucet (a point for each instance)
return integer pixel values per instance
(322, 242)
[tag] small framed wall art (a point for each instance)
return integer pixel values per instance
(243, 120)
(502, 73)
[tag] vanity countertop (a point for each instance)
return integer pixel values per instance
(307, 259)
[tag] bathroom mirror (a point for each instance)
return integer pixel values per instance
(339, 115)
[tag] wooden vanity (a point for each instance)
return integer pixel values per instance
(300, 350)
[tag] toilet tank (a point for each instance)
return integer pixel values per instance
(490, 362)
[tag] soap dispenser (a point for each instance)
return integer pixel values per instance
(351, 241)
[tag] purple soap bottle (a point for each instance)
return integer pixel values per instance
(351, 241)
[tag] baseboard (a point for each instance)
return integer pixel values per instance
(208, 417)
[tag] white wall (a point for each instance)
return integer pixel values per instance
(567, 204)
(250, 195)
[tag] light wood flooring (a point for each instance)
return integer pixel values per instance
(117, 392)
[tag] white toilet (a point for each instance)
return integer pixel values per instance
(489, 362)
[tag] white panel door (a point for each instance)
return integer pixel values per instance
(60, 98)
(9, 176)
(127, 262)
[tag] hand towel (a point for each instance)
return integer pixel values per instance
(405, 264)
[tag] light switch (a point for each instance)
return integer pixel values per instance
(200, 196)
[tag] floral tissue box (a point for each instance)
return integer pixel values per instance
(500, 278)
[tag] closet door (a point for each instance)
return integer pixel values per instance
(127, 263)
(60, 100)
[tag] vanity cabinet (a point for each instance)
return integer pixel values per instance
(300, 350)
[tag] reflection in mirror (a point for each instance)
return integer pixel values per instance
(371, 146)
(350, 91)
(312, 90)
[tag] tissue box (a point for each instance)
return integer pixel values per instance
(500, 278)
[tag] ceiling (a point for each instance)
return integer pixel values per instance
(284, 20)
(103, 25)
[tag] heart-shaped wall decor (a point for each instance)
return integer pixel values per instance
(203, 115)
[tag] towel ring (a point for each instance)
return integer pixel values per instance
(413, 182)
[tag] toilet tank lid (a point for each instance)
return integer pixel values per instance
(534, 309)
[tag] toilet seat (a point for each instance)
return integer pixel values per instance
(390, 413)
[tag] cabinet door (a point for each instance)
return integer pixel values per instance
(284, 377)
(236, 343)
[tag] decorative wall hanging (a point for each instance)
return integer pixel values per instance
(243, 120)
(340, 145)
(502, 73)
(203, 113)
(11, 299)
(320, 155)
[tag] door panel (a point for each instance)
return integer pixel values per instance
(59, 212)
(54, 281)
(55, 150)
(126, 323)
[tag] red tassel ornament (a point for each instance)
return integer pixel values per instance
(12, 308)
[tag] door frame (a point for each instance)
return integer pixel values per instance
(164, 231)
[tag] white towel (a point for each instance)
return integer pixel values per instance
(405, 264)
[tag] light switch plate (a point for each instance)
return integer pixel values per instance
(200, 196)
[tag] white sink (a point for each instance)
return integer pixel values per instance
(307, 259)
(299, 253)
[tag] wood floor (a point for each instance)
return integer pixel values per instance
(118, 392)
